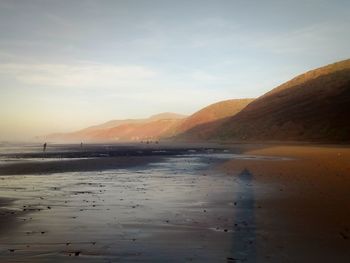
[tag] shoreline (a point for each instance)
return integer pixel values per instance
(291, 209)
(76, 165)
(93, 158)
(128, 215)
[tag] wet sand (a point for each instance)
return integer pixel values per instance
(301, 206)
(250, 203)
(46, 166)
(172, 208)
(8, 215)
(72, 158)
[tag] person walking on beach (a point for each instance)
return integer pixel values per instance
(44, 147)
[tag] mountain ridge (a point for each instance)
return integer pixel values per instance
(95, 132)
(313, 106)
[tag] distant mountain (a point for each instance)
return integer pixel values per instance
(159, 126)
(213, 114)
(152, 130)
(314, 106)
(124, 130)
(167, 116)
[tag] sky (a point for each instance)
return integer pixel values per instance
(65, 65)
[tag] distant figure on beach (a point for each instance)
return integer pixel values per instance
(81, 145)
(44, 147)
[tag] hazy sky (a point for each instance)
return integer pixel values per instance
(68, 64)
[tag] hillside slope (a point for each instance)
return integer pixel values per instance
(213, 112)
(204, 122)
(152, 130)
(154, 127)
(314, 106)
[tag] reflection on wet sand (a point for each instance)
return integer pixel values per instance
(244, 227)
(173, 210)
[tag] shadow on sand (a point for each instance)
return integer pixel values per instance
(244, 225)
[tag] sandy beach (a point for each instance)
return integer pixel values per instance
(242, 203)
(301, 206)
(174, 131)
(151, 208)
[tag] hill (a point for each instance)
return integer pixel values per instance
(314, 106)
(205, 121)
(167, 116)
(153, 127)
(163, 125)
(152, 130)
(213, 112)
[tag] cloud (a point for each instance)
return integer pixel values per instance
(85, 74)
